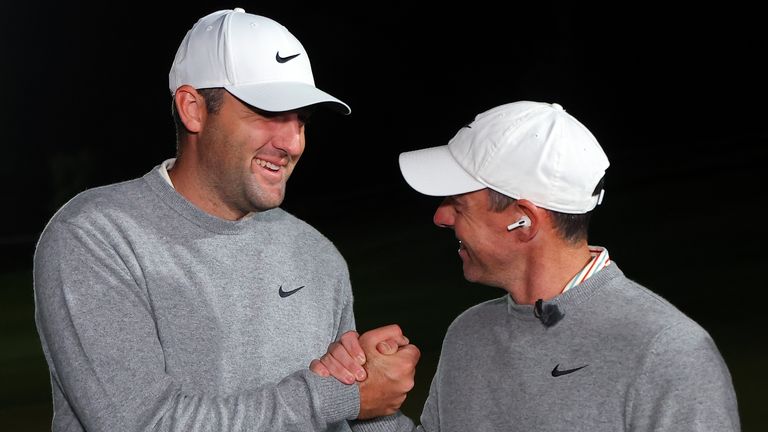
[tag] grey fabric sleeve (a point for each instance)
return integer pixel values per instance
(104, 352)
(684, 385)
(394, 423)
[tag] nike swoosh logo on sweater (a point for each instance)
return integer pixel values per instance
(285, 294)
(557, 373)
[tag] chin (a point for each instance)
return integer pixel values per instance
(267, 205)
(469, 276)
(265, 200)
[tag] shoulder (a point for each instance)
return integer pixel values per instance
(301, 229)
(100, 200)
(477, 317)
(625, 304)
(682, 365)
(100, 207)
(302, 236)
(92, 222)
(668, 343)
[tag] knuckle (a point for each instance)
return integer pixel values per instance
(409, 385)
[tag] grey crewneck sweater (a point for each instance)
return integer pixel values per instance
(155, 316)
(626, 359)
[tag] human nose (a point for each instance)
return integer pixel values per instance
(444, 215)
(289, 135)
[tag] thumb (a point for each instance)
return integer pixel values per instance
(370, 339)
(386, 347)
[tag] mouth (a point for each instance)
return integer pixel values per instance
(268, 165)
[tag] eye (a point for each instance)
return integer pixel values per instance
(304, 115)
(264, 114)
(304, 118)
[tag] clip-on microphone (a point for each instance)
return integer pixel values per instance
(548, 314)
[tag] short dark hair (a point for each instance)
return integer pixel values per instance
(572, 227)
(213, 97)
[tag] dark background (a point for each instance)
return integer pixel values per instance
(675, 94)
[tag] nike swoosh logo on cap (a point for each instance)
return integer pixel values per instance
(285, 59)
(285, 294)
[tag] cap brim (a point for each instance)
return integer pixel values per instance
(434, 171)
(285, 96)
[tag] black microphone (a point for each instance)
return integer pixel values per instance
(548, 314)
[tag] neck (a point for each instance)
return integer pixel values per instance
(547, 270)
(188, 178)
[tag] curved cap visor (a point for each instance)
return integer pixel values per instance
(254, 57)
(434, 171)
(285, 96)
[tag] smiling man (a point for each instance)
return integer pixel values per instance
(187, 300)
(574, 344)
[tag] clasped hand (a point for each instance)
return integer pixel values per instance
(381, 361)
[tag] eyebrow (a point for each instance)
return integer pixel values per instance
(457, 202)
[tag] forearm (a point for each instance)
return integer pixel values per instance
(301, 401)
(131, 391)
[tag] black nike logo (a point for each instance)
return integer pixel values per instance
(557, 373)
(285, 294)
(285, 59)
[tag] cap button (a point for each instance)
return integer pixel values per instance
(557, 106)
(240, 10)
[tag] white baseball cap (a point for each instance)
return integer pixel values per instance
(255, 58)
(525, 150)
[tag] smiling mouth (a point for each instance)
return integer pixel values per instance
(268, 165)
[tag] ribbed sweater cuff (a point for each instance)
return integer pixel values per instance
(336, 401)
(395, 422)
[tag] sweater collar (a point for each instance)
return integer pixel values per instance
(168, 195)
(566, 301)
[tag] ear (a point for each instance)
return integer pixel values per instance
(536, 216)
(190, 106)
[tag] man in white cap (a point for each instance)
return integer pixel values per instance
(187, 300)
(573, 344)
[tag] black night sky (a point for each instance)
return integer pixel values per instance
(676, 96)
(670, 93)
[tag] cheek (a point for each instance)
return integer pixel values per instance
(483, 239)
(248, 146)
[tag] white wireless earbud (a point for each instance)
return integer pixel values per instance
(524, 221)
